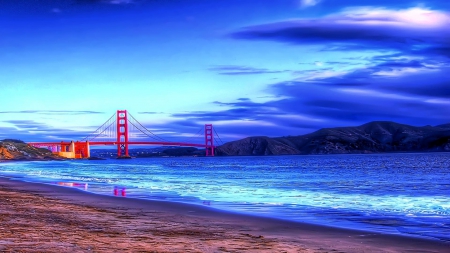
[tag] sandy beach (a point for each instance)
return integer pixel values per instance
(45, 218)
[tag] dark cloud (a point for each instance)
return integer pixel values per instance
(395, 89)
(407, 82)
(355, 107)
(411, 78)
(418, 31)
(27, 124)
(402, 64)
(438, 50)
(243, 70)
(317, 32)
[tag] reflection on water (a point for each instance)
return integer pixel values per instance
(77, 185)
(123, 192)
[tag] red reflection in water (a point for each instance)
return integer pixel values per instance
(123, 191)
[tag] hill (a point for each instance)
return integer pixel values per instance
(18, 150)
(373, 137)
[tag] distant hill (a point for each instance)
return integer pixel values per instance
(18, 150)
(373, 137)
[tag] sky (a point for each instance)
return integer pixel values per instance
(249, 67)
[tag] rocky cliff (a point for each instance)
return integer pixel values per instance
(373, 137)
(18, 150)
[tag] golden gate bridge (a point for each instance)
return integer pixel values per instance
(119, 130)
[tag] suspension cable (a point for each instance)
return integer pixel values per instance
(112, 123)
(144, 132)
(86, 138)
(218, 136)
(147, 129)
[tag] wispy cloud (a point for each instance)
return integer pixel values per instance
(30, 130)
(27, 124)
(151, 113)
(116, 2)
(119, 1)
(243, 70)
(52, 112)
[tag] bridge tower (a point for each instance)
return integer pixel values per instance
(122, 134)
(209, 140)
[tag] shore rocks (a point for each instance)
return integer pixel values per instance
(17, 150)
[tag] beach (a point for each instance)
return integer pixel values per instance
(45, 218)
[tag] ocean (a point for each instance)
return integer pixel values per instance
(407, 194)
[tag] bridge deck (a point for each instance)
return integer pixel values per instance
(97, 143)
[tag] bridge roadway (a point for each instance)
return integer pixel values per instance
(78, 150)
(163, 143)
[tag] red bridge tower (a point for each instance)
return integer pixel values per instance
(209, 140)
(122, 134)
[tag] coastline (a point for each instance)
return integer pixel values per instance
(60, 219)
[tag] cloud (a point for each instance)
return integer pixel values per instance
(351, 98)
(414, 30)
(87, 1)
(402, 64)
(51, 112)
(118, 1)
(307, 75)
(426, 78)
(27, 124)
(151, 113)
(115, 2)
(318, 63)
(412, 17)
(308, 3)
(406, 81)
(32, 131)
(242, 70)
(238, 112)
(338, 106)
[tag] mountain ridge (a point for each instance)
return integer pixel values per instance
(372, 137)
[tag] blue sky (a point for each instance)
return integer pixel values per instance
(250, 67)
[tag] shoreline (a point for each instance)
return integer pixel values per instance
(194, 228)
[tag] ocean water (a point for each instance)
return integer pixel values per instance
(405, 194)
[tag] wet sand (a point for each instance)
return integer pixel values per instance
(46, 218)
